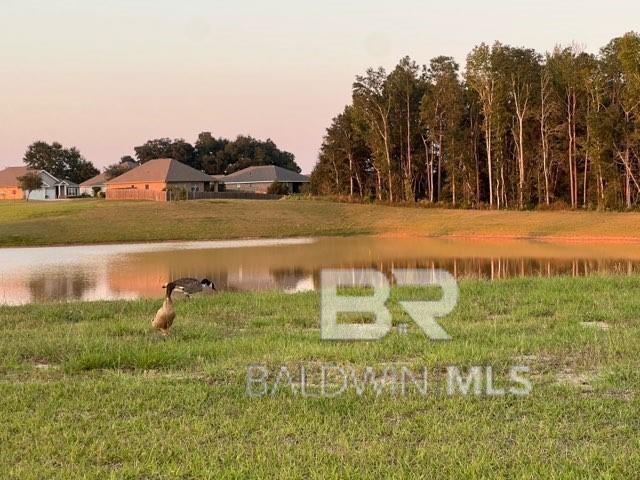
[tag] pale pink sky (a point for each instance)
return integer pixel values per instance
(106, 76)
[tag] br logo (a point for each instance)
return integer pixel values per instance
(424, 313)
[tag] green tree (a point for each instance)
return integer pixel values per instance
(152, 149)
(565, 66)
(621, 65)
(347, 155)
(373, 105)
(29, 182)
(481, 77)
(210, 151)
(63, 163)
(521, 74)
(76, 167)
(177, 149)
(246, 151)
(43, 156)
(442, 112)
(406, 89)
(115, 170)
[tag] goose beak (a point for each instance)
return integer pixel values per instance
(164, 285)
(184, 292)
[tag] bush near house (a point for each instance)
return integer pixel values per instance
(177, 193)
(277, 188)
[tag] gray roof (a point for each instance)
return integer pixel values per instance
(99, 179)
(264, 174)
(161, 170)
(69, 183)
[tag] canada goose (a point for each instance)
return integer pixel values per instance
(191, 286)
(166, 314)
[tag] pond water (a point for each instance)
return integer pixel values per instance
(139, 270)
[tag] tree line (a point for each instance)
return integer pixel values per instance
(217, 156)
(516, 129)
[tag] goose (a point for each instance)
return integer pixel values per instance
(191, 286)
(166, 314)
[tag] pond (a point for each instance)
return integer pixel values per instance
(128, 271)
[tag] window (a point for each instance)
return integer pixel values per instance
(146, 187)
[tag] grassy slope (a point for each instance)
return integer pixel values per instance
(89, 221)
(88, 389)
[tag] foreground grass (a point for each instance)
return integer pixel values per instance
(89, 391)
(92, 221)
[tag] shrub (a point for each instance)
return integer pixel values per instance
(555, 206)
(177, 193)
(277, 188)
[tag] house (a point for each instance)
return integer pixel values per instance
(67, 188)
(161, 174)
(99, 183)
(94, 185)
(258, 178)
(52, 187)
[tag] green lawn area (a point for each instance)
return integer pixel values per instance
(89, 391)
(94, 221)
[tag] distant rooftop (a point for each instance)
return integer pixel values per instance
(161, 170)
(263, 174)
(99, 179)
(9, 176)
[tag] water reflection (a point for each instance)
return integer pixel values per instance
(54, 287)
(139, 270)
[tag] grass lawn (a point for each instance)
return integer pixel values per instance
(88, 391)
(93, 221)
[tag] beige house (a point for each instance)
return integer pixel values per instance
(159, 175)
(52, 187)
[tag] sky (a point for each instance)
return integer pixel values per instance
(107, 76)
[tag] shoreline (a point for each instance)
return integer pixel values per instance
(558, 239)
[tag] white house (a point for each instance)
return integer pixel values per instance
(52, 187)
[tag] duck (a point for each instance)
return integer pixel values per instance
(191, 286)
(166, 314)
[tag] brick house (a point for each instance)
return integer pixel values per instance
(160, 175)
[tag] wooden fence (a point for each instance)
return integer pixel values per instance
(164, 196)
(135, 194)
